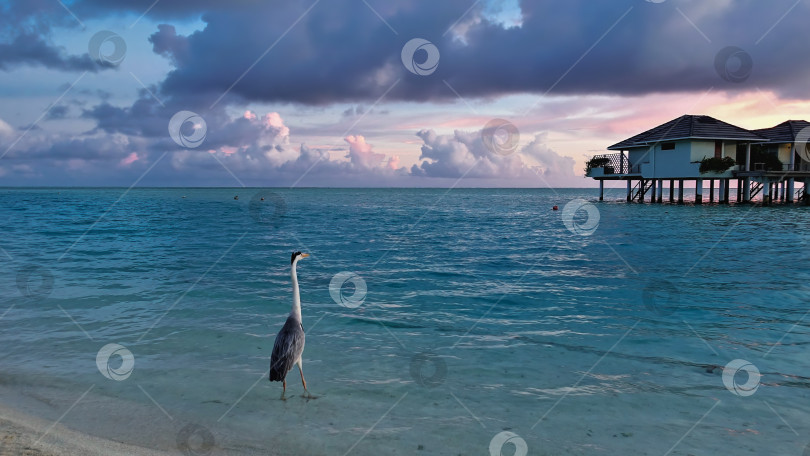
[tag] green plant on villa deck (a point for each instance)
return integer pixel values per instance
(716, 164)
(595, 162)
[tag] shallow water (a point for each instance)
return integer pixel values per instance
(483, 313)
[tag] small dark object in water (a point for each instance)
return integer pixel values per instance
(236, 197)
(554, 208)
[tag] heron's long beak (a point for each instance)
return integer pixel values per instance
(304, 255)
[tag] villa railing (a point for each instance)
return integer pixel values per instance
(616, 163)
(796, 167)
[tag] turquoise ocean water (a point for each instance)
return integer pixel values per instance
(471, 321)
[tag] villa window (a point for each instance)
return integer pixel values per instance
(668, 146)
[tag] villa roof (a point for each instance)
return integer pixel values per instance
(690, 127)
(785, 132)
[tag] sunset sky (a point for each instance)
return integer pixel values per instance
(320, 93)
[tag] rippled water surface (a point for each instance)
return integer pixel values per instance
(484, 313)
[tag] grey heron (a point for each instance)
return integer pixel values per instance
(289, 343)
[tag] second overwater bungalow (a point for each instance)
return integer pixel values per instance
(704, 151)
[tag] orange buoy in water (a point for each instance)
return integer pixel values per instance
(554, 208)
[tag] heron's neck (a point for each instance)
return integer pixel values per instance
(296, 306)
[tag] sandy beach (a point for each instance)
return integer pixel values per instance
(22, 434)
(18, 440)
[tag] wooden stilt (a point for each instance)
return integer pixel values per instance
(747, 190)
(721, 195)
(680, 191)
(699, 191)
(791, 189)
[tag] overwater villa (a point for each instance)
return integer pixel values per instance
(702, 149)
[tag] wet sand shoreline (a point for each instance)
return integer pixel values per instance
(22, 434)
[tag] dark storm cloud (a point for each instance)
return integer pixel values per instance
(174, 9)
(57, 112)
(341, 51)
(144, 118)
(25, 37)
(30, 49)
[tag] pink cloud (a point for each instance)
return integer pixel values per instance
(274, 120)
(129, 159)
(361, 155)
(270, 121)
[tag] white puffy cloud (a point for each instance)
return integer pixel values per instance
(362, 157)
(255, 148)
(551, 164)
(6, 131)
(464, 154)
(259, 147)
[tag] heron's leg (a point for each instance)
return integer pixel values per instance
(302, 377)
(308, 395)
(283, 391)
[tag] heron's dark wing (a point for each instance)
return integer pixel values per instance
(287, 349)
